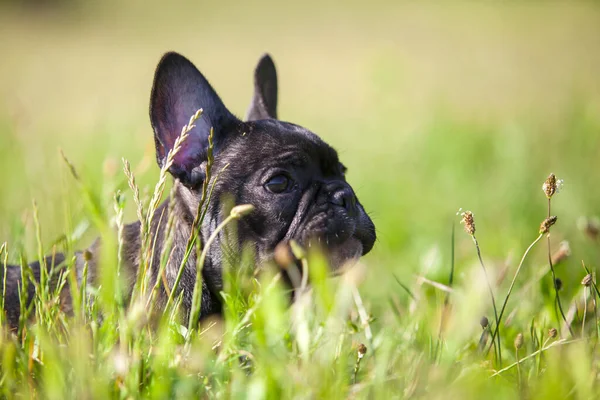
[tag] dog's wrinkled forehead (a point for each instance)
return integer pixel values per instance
(266, 142)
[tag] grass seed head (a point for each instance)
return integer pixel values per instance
(552, 185)
(547, 223)
(362, 350)
(558, 284)
(519, 341)
(241, 210)
(283, 256)
(552, 333)
(469, 221)
(484, 322)
(587, 280)
(563, 252)
(590, 227)
(87, 255)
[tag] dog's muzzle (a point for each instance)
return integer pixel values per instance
(330, 217)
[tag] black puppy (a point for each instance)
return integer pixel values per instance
(294, 180)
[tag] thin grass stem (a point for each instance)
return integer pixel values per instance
(510, 289)
(585, 300)
(234, 215)
(560, 308)
(520, 382)
(491, 290)
(198, 219)
(559, 342)
(364, 317)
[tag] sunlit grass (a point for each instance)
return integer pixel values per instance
(432, 108)
(423, 341)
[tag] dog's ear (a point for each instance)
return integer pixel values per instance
(179, 90)
(264, 102)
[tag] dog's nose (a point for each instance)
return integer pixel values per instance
(344, 197)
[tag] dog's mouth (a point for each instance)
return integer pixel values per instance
(344, 255)
(340, 256)
(343, 239)
(336, 225)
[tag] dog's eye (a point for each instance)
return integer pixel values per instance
(278, 184)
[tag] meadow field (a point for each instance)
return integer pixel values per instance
(434, 107)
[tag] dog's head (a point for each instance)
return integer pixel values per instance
(294, 180)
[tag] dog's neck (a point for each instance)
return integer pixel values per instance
(183, 218)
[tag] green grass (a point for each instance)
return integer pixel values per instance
(433, 107)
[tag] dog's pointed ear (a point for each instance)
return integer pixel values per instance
(264, 102)
(179, 90)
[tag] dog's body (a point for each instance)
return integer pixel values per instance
(292, 178)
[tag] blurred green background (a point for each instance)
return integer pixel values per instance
(432, 106)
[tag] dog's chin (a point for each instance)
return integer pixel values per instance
(344, 255)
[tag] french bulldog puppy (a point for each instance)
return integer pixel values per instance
(294, 180)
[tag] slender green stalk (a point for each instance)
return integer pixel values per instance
(119, 206)
(512, 285)
(140, 215)
(151, 252)
(198, 219)
(585, 300)
(74, 287)
(43, 285)
(535, 353)
(23, 294)
(83, 288)
(91, 202)
(539, 361)
(235, 214)
(519, 379)
(362, 350)
(364, 317)
(166, 253)
(595, 296)
(562, 313)
(147, 217)
(596, 317)
(593, 281)
(405, 288)
(246, 318)
(491, 290)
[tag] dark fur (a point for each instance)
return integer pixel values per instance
(317, 205)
